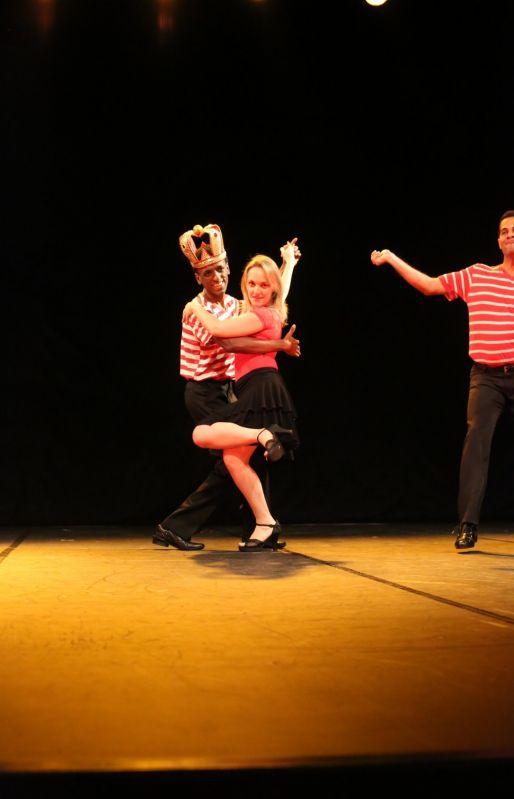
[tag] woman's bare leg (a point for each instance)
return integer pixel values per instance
(226, 435)
(237, 461)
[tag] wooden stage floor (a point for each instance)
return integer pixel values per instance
(363, 656)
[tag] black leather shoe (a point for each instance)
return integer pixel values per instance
(271, 542)
(274, 449)
(165, 538)
(280, 544)
(467, 536)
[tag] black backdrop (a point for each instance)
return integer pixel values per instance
(126, 122)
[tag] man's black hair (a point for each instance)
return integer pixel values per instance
(506, 215)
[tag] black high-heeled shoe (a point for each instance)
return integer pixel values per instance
(271, 542)
(274, 447)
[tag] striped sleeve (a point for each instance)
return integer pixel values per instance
(200, 332)
(457, 284)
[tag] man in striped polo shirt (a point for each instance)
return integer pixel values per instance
(207, 365)
(488, 292)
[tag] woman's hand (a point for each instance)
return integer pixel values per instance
(188, 311)
(290, 252)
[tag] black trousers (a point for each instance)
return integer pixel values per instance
(204, 399)
(491, 392)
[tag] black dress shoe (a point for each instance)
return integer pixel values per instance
(466, 536)
(165, 538)
(280, 544)
(274, 449)
(271, 542)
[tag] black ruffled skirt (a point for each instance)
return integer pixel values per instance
(262, 400)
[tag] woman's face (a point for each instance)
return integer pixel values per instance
(260, 290)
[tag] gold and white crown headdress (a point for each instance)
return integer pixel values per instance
(203, 246)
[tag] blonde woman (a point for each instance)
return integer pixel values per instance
(264, 413)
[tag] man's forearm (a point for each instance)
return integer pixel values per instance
(252, 346)
(418, 280)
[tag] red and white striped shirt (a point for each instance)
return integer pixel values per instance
(200, 357)
(489, 294)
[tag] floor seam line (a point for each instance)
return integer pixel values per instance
(425, 594)
(15, 544)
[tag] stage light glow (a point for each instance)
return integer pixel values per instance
(375, 2)
(165, 17)
(45, 14)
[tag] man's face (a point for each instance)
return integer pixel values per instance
(506, 237)
(214, 280)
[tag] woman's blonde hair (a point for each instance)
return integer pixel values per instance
(272, 273)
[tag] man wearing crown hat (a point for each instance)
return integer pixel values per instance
(207, 365)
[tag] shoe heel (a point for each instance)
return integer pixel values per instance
(272, 541)
(275, 428)
(159, 541)
(274, 449)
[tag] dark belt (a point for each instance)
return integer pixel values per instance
(506, 368)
